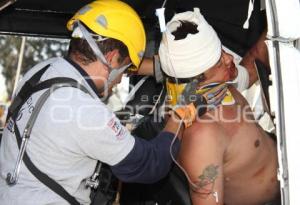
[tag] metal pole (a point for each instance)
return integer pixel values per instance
(280, 120)
(20, 61)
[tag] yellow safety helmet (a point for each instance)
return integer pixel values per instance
(114, 19)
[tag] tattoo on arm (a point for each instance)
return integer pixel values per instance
(206, 181)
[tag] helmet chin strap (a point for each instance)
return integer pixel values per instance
(113, 73)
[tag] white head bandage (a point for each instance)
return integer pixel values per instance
(192, 55)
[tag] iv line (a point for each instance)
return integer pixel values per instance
(162, 24)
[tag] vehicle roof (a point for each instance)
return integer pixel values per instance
(49, 17)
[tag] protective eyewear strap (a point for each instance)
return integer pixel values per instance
(112, 76)
(113, 73)
(116, 72)
(93, 45)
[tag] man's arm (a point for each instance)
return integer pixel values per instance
(201, 155)
(258, 51)
(146, 67)
(151, 66)
(150, 161)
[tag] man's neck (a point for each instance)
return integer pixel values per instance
(228, 98)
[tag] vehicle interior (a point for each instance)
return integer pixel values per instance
(46, 19)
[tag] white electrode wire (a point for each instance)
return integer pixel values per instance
(182, 103)
(157, 101)
(180, 124)
(175, 161)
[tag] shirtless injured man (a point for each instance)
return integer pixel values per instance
(228, 158)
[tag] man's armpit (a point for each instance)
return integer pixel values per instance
(206, 181)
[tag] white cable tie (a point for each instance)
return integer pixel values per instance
(250, 9)
(160, 13)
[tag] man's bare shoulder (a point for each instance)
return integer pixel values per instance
(200, 127)
(202, 131)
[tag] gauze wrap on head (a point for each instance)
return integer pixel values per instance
(192, 55)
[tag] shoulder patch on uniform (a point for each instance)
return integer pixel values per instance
(117, 128)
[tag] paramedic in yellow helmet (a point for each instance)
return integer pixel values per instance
(58, 128)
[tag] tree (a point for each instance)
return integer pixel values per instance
(8, 59)
(36, 50)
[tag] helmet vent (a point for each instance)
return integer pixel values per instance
(84, 10)
(102, 21)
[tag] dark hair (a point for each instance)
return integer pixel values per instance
(86, 54)
(185, 28)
